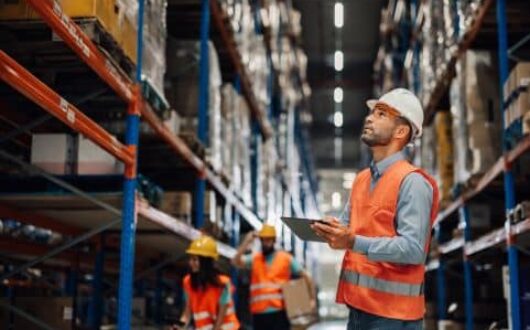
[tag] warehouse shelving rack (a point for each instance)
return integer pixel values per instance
(137, 214)
(506, 236)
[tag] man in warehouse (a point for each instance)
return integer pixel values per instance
(269, 270)
(391, 210)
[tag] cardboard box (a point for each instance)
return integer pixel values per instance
(93, 160)
(298, 302)
(54, 153)
(56, 312)
(178, 204)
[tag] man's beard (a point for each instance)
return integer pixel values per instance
(374, 139)
(267, 250)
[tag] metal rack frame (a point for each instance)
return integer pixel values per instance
(14, 74)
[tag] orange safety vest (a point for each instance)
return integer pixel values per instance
(266, 281)
(204, 305)
(382, 288)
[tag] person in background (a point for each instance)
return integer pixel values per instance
(269, 270)
(207, 293)
(387, 233)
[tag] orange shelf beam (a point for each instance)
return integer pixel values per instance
(52, 13)
(176, 226)
(35, 90)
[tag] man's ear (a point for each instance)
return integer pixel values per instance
(403, 132)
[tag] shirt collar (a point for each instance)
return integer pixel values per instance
(379, 168)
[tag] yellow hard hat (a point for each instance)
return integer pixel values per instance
(204, 246)
(267, 231)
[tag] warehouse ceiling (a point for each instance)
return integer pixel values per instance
(360, 39)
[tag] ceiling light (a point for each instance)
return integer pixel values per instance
(338, 95)
(338, 120)
(339, 60)
(335, 200)
(339, 15)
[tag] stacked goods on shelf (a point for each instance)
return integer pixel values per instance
(483, 110)
(461, 157)
(517, 100)
(444, 152)
(433, 54)
(476, 115)
(179, 205)
(251, 46)
(65, 154)
(154, 43)
(270, 162)
(428, 159)
(229, 100)
(235, 132)
(242, 166)
(118, 20)
(182, 91)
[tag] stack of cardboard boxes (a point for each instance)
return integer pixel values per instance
(517, 99)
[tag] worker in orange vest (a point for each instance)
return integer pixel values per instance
(269, 270)
(387, 230)
(207, 293)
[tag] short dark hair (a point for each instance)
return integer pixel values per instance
(403, 121)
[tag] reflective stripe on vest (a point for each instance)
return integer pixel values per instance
(226, 326)
(205, 315)
(266, 297)
(201, 316)
(266, 285)
(378, 284)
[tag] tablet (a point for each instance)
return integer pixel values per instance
(301, 227)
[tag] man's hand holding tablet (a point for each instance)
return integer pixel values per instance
(337, 235)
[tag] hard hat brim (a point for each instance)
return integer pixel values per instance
(371, 103)
(201, 254)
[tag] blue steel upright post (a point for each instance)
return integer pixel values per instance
(202, 129)
(509, 187)
(468, 269)
(128, 228)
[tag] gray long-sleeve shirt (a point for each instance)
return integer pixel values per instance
(412, 219)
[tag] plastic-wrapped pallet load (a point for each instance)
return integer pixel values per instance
(243, 145)
(461, 153)
(482, 107)
(182, 91)
(229, 97)
(154, 40)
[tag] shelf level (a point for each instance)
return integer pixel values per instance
(452, 245)
(448, 73)
(497, 169)
(68, 30)
(496, 238)
(35, 90)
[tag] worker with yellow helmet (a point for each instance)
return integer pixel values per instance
(207, 293)
(269, 270)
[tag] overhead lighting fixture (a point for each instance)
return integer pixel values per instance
(338, 95)
(338, 120)
(339, 60)
(339, 15)
(335, 200)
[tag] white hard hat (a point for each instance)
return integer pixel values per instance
(407, 104)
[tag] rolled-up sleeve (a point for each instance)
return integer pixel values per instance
(413, 226)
